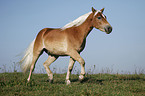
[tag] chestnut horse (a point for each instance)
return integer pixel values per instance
(66, 41)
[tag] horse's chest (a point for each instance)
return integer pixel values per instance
(81, 46)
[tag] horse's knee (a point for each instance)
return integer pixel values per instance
(70, 69)
(82, 62)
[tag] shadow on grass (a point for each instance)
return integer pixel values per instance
(89, 80)
(86, 80)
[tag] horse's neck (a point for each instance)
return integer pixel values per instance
(86, 27)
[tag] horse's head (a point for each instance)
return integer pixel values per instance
(100, 22)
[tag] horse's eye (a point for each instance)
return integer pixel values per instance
(99, 17)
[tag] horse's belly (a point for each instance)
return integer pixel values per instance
(57, 48)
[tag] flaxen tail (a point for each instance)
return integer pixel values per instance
(28, 57)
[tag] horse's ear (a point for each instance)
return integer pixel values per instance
(102, 10)
(93, 10)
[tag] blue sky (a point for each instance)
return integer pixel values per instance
(122, 51)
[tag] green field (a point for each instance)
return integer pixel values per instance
(12, 84)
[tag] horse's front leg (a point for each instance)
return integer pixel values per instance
(76, 56)
(70, 67)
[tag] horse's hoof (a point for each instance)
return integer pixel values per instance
(68, 82)
(81, 78)
(28, 80)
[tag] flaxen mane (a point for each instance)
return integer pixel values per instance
(77, 21)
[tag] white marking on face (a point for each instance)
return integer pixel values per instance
(100, 12)
(103, 15)
(97, 12)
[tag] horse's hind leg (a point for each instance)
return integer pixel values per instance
(35, 58)
(47, 63)
(37, 51)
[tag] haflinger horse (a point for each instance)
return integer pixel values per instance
(66, 41)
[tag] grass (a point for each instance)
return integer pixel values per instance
(93, 85)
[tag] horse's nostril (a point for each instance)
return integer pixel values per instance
(109, 29)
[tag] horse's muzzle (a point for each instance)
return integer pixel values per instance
(108, 29)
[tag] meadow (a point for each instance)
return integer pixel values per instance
(15, 84)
